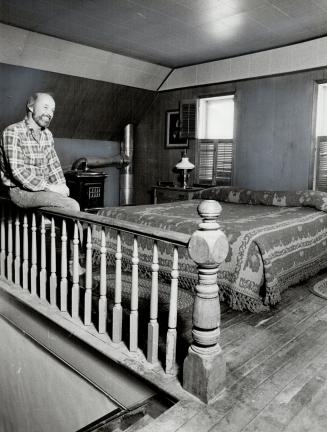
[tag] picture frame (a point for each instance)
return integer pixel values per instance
(173, 140)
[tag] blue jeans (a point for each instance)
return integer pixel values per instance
(28, 199)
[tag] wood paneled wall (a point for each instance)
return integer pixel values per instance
(273, 133)
(85, 108)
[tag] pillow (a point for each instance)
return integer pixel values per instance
(308, 198)
(226, 194)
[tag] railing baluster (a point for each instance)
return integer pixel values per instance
(53, 275)
(153, 326)
(117, 313)
(133, 319)
(25, 252)
(172, 319)
(34, 256)
(88, 278)
(63, 269)
(75, 287)
(10, 246)
(17, 265)
(103, 285)
(43, 269)
(3, 243)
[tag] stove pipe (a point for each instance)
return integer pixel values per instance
(126, 174)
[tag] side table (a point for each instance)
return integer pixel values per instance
(164, 194)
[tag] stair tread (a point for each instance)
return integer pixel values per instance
(142, 422)
(172, 419)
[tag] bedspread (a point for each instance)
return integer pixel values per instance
(271, 247)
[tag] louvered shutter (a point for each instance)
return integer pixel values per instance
(214, 162)
(224, 162)
(188, 118)
(321, 171)
(205, 162)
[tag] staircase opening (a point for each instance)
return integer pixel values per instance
(133, 419)
(39, 391)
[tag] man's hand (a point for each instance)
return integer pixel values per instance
(61, 189)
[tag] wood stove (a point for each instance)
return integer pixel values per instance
(86, 187)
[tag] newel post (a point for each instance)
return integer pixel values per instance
(204, 367)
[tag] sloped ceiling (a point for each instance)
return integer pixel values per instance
(172, 33)
(85, 108)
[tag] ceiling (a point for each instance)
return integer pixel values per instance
(172, 33)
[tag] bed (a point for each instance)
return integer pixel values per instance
(276, 239)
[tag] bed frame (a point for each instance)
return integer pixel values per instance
(29, 242)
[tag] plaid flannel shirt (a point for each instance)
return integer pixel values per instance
(28, 161)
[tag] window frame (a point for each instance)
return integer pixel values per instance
(314, 168)
(216, 141)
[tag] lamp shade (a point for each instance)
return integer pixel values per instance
(185, 164)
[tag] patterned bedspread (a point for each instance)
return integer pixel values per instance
(272, 245)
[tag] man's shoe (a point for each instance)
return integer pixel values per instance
(47, 222)
(81, 270)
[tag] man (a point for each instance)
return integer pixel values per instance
(31, 174)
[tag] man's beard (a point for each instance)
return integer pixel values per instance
(42, 120)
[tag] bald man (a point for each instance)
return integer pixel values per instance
(31, 173)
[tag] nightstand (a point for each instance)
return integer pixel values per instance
(164, 194)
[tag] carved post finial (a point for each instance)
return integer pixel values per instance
(204, 367)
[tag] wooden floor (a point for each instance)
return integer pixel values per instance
(277, 372)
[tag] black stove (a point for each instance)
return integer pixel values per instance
(86, 187)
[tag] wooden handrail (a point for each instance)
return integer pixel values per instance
(176, 238)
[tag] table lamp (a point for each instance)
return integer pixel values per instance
(186, 166)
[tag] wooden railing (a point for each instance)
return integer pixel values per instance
(31, 242)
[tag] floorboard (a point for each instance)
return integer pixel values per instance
(237, 330)
(289, 403)
(313, 416)
(277, 369)
(248, 398)
(251, 351)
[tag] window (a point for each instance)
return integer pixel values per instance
(320, 175)
(216, 117)
(321, 128)
(214, 146)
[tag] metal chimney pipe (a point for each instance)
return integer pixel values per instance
(126, 176)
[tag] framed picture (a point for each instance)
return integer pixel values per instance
(172, 131)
